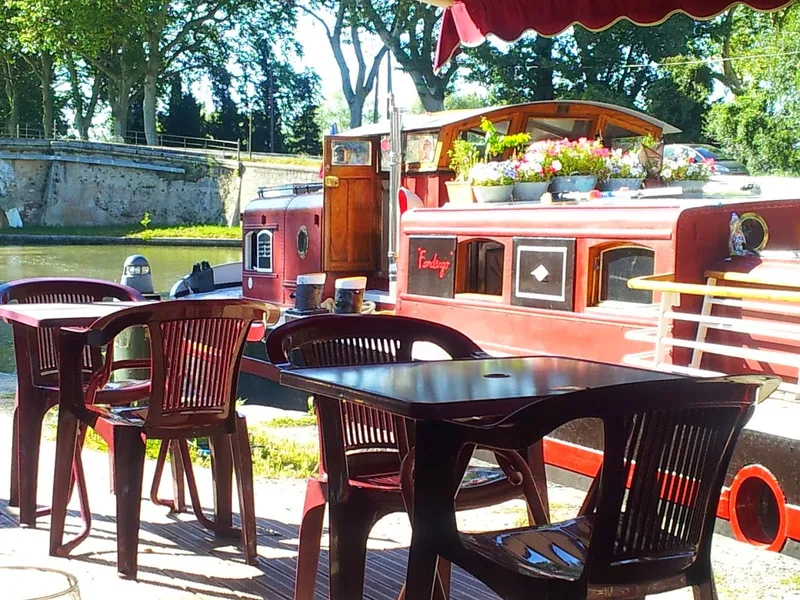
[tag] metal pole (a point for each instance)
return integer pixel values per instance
(389, 99)
(377, 90)
(250, 137)
(395, 174)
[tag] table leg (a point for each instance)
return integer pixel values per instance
(435, 485)
(29, 415)
(537, 466)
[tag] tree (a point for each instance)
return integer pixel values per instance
(184, 116)
(522, 74)
(226, 123)
(345, 30)
(83, 108)
(408, 29)
(758, 120)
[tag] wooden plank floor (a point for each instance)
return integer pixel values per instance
(179, 559)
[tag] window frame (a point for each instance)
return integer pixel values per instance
(251, 257)
(598, 300)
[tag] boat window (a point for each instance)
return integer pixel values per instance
(477, 136)
(421, 147)
(614, 131)
(351, 153)
(483, 272)
(618, 264)
(549, 129)
(258, 251)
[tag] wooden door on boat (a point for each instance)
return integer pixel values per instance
(352, 205)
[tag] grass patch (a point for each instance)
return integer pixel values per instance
(281, 422)
(792, 581)
(299, 161)
(137, 231)
(273, 457)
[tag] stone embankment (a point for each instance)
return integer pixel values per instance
(87, 183)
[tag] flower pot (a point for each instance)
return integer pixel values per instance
(573, 183)
(530, 191)
(689, 186)
(615, 185)
(459, 192)
(493, 193)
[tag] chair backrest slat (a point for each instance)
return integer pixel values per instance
(42, 343)
(341, 340)
(664, 461)
(195, 350)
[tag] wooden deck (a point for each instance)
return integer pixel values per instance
(179, 559)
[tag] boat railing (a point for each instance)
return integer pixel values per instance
(769, 307)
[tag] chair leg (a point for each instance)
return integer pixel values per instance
(243, 465)
(129, 465)
(78, 478)
(310, 535)
(13, 497)
(222, 473)
(350, 524)
(178, 502)
(65, 451)
(706, 590)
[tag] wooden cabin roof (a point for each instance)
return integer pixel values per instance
(437, 120)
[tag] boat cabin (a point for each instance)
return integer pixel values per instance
(554, 278)
(342, 226)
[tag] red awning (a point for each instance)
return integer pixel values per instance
(468, 22)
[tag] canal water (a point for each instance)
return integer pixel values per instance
(167, 263)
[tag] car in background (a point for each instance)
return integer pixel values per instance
(725, 164)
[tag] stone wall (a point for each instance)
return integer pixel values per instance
(86, 183)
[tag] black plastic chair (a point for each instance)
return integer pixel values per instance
(647, 523)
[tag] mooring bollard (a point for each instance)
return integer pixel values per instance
(134, 342)
(349, 295)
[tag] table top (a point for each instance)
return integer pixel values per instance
(456, 389)
(60, 315)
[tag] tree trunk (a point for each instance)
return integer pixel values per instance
(13, 103)
(149, 107)
(356, 106)
(47, 94)
(432, 100)
(77, 99)
(119, 99)
(152, 70)
(543, 87)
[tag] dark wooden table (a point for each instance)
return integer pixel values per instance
(39, 316)
(437, 391)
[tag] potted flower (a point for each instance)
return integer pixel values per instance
(493, 181)
(623, 170)
(581, 163)
(687, 173)
(463, 156)
(534, 171)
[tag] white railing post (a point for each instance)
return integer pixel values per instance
(702, 327)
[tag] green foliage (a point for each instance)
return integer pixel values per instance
(145, 220)
(463, 156)
(284, 422)
(497, 143)
(133, 232)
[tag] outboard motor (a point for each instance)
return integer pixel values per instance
(202, 278)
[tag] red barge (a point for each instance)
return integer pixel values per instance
(642, 279)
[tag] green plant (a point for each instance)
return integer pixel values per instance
(498, 143)
(463, 156)
(145, 220)
(311, 410)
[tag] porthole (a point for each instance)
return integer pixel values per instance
(302, 241)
